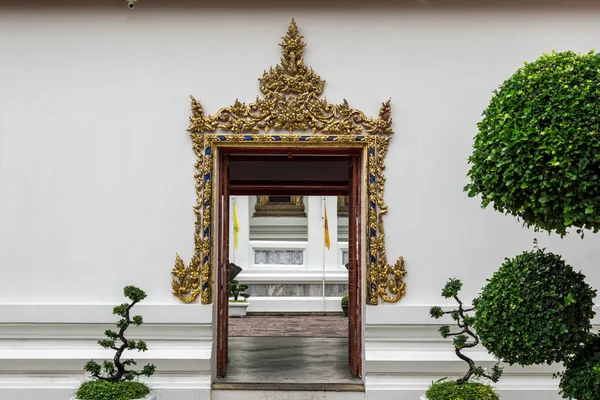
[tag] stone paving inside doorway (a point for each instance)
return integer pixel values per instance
(303, 325)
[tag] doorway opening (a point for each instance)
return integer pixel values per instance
(330, 361)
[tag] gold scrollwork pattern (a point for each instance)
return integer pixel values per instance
(195, 278)
(294, 207)
(391, 286)
(292, 103)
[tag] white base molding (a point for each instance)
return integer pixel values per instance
(30, 387)
(401, 362)
(412, 388)
(43, 349)
(57, 394)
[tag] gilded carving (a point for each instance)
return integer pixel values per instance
(391, 285)
(291, 102)
(342, 206)
(188, 282)
(266, 207)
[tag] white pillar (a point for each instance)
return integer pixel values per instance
(316, 233)
(331, 255)
(314, 256)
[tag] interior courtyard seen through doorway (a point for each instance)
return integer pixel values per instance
(285, 343)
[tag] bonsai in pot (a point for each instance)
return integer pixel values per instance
(237, 307)
(344, 303)
(464, 338)
(113, 380)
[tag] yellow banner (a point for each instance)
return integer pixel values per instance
(236, 228)
(327, 243)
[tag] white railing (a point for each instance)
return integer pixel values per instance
(273, 255)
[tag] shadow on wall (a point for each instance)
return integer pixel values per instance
(459, 5)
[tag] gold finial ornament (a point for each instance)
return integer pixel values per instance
(292, 76)
(291, 102)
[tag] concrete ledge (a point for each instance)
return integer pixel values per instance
(102, 313)
(62, 386)
(386, 314)
(410, 387)
(294, 304)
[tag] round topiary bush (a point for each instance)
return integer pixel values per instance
(537, 153)
(535, 309)
(452, 391)
(581, 378)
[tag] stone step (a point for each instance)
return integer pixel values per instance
(285, 395)
(290, 387)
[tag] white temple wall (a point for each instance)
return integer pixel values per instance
(96, 169)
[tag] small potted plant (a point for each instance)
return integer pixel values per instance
(113, 380)
(237, 307)
(462, 388)
(345, 305)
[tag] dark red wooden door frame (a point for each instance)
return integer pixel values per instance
(352, 188)
(354, 269)
(223, 268)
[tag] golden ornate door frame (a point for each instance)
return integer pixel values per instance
(291, 103)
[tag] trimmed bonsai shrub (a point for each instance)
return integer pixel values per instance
(344, 304)
(535, 309)
(581, 379)
(344, 301)
(464, 338)
(113, 380)
(237, 290)
(537, 153)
